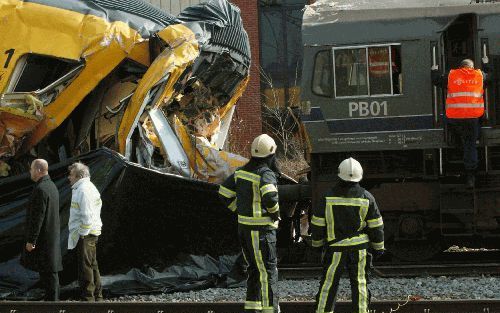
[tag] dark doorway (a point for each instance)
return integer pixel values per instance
(460, 41)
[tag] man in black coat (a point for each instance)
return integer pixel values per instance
(43, 250)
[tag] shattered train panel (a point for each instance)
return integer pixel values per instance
(88, 74)
(82, 75)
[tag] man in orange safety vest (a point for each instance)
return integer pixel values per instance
(464, 108)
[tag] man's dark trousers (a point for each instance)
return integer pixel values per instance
(467, 129)
(88, 269)
(50, 283)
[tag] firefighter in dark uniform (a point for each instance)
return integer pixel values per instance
(252, 193)
(346, 224)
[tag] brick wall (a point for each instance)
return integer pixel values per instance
(247, 120)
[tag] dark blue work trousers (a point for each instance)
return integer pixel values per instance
(259, 251)
(334, 264)
(467, 130)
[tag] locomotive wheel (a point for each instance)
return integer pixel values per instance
(415, 250)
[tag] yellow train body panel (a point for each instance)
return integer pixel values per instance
(101, 45)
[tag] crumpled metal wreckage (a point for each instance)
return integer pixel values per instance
(143, 97)
(159, 89)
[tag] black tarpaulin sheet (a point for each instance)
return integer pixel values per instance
(193, 273)
(16, 280)
(162, 215)
(148, 218)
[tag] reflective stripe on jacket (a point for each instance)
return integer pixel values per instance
(465, 94)
(85, 211)
(253, 195)
(348, 217)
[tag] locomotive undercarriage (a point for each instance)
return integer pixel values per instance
(423, 198)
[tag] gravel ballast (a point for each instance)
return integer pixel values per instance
(428, 288)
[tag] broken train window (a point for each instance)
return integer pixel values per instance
(37, 72)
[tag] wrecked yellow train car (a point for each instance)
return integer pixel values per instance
(161, 90)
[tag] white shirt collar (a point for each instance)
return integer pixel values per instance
(79, 182)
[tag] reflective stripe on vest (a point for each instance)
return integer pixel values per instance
(378, 245)
(226, 192)
(318, 243)
(376, 222)
(363, 205)
(254, 178)
(318, 221)
(267, 188)
(232, 206)
(465, 94)
(274, 208)
(257, 221)
(464, 105)
(353, 241)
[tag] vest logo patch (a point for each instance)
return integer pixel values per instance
(460, 81)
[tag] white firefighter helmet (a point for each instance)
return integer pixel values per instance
(263, 146)
(350, 170)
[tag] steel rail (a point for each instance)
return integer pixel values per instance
(409, 306)
(386, 271)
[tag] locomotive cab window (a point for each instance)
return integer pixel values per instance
(322, 76)
(35, 72)
(350, 72)
(368, 71)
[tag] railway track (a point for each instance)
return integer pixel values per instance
(450, 306)
(402, 270)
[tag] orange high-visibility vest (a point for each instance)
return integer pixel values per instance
(379, 61)
(465, 93)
